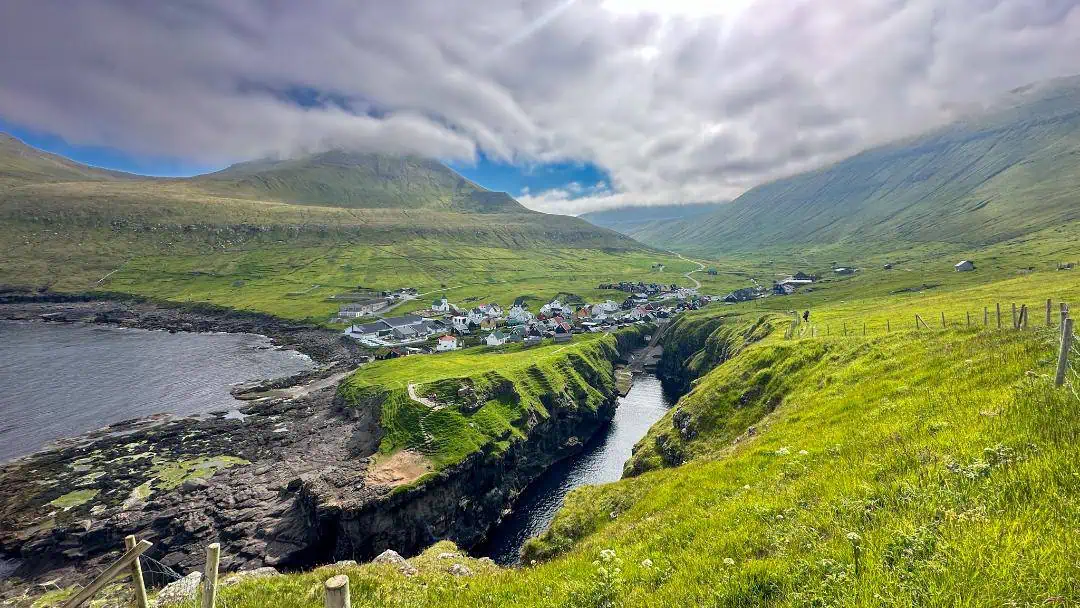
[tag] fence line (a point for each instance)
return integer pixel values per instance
(1067, 372)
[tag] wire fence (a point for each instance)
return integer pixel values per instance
(1072, 366)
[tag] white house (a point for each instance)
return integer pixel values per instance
(497, 338)
(440, 305)
(447, 343)
(555, 307)
(476, 315)
(965, 266)
(363, 308)
(460, 323)
(492, 310)
(519, 316)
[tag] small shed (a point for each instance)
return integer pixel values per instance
(965, 266)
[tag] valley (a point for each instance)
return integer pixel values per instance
(851, 457)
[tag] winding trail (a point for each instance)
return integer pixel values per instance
(701, 267)
(421, 400)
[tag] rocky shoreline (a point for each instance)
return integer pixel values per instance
(283, 484)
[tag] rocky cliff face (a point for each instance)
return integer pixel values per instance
(283, 484)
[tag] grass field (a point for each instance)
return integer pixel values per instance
(931, 467)
(507, 386)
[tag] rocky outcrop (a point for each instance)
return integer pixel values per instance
(283, 485)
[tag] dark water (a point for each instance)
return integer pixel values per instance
(600, 462)
(63, 380)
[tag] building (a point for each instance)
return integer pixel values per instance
(497, 338)
(447, 343)
(519, 316)
(440, 305)
(844, 270)
(363, 308)
(406, 328)
(965, 266)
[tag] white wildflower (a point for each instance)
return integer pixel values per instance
(784, 451)
(728, 561)
(853, 537)
(803, 453)
(647, 563)
(607, 555)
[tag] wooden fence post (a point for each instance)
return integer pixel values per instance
(337, 592)
(1064, 312)
(888, 326)
(864, 328)
(845, 328)
(916, 321)
(210, 575)
(1024, 317)
(1049, 305)
(986, 316)
(1063, 356)
(136, 573)
(969, 318)
(943, 319)
(1015, 320)
(109, 574)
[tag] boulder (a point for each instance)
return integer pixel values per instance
(179, 592)
(394, 558)
(243, 575)
(459, 570)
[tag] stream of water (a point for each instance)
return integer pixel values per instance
(600, 462)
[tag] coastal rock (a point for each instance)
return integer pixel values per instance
(179, 592)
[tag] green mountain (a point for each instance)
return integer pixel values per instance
(285, 236)
(21, 164)
(644, 221)
(356, 180)
(1003, 173)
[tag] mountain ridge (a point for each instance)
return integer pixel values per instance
(994, 175)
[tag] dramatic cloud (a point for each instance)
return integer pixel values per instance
(678, 100)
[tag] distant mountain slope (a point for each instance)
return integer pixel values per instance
(358, 180)
(1004, 173)
(361, 195)
(21, 164)
(642, 222)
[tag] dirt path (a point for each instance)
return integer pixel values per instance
(701, 267)
(422, 400)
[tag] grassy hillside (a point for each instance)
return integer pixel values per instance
(909, 468)
(1010, 171)
(253, 237)
(21, 164)
(643, 222)
(510, 386)
(356, 180)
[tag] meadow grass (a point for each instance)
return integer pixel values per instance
(509, 386)
(933, 468)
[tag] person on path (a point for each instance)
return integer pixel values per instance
(806, 316)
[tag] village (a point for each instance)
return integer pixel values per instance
(445, 326)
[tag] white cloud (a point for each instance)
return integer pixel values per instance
(680, 101)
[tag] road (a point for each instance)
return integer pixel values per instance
(697, 283)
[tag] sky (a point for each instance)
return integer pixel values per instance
(569, 105)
